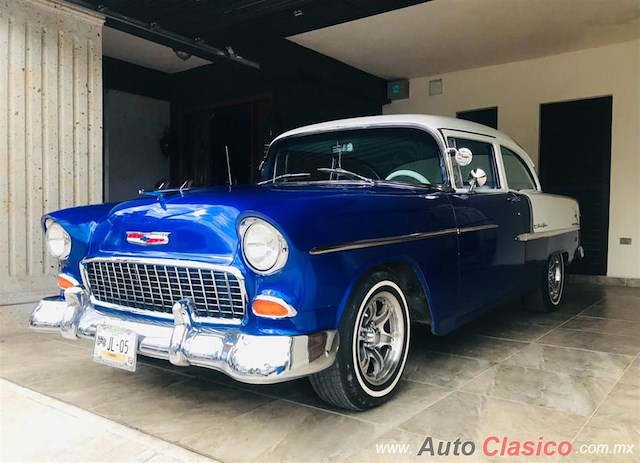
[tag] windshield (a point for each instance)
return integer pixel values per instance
(402, 155)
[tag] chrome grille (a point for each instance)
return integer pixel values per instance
(155, 287)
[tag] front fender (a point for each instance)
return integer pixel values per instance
(79, 222)
(319, 286)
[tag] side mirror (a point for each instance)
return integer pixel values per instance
(477, 177)
(463, 157)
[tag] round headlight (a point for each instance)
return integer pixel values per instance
(58, 240)
(263, 246)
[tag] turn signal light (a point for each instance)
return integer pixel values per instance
(66, 281)
(272, 307)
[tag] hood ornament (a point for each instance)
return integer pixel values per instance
(148, 238)
(186, 186)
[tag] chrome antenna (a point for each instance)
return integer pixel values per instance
(226, 150)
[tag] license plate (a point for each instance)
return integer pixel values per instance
(116, 347)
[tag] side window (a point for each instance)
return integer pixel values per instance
(519, 176)
(483, 157)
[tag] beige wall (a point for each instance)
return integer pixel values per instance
(519, 88)
(50, 132)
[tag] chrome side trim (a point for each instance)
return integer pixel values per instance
(546, 234)
(477, 228)
(361, 244)
(169, 262)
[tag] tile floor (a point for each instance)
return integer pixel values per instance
(572, 375)
(66, 433)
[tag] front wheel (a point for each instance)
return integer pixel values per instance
(548, 295)
(374, 343)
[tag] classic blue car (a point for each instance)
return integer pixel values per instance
(358, 229)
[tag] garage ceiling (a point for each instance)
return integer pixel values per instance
(449, 35)
(125, 47)
(222, 22)
(244, 25)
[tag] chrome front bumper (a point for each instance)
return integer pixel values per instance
(246, 358)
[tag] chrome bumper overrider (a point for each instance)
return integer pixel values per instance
(246, 358)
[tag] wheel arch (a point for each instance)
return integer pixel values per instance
(412, 283)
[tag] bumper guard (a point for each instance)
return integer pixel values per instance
(244, 357)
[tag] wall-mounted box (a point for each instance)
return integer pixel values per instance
(398, 89)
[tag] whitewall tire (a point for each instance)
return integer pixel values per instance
(547, 296)
(374, 343)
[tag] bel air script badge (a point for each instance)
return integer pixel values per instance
(149, 238)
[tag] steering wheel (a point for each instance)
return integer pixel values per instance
(408, 173)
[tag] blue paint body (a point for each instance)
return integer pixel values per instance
(461, 275)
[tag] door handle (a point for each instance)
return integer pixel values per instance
(513, 198)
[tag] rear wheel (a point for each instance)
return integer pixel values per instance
(548, 295)
(374, 342)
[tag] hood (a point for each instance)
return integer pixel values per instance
(203, 222)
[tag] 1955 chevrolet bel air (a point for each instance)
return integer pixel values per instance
(357, 229)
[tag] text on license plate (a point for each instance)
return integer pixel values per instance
(116, 347)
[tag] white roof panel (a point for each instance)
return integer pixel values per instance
(433, 122)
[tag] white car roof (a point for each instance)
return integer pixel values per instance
(433, 122)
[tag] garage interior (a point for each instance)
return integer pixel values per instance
(104, 98)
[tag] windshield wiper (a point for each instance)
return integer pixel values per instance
(278, 177)
(348, 173)
(428, 186)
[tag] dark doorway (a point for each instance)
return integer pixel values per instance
(575, 160)
(485, 116)
(207, 134)
(230, 129)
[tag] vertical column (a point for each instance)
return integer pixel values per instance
(50, 131)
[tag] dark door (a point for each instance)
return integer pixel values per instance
(243, 128)
(575, 160)
(231, 130)
(485, 116)
(491, 259)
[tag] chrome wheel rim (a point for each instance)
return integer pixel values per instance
(380, 338)
(554, 278)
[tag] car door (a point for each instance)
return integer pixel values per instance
(491, 260)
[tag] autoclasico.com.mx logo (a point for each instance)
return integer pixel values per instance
(503, 446)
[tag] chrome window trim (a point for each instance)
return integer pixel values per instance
(524, 164)
(456, 135)
(369, 243)
(434, 132)
(173, 263)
